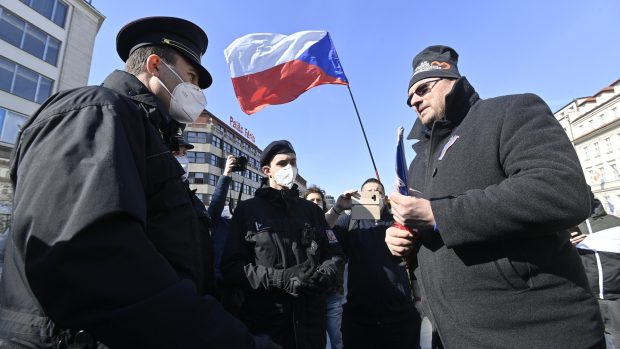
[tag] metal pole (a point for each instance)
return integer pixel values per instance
(364, 132)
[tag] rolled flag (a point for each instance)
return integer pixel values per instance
(401, 165)
(268, 68)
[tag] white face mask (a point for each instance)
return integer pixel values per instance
(286, 176)
(184, 162)
(186, 100)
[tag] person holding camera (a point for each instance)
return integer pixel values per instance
(277, 253)
(220, 220)
(379, 311)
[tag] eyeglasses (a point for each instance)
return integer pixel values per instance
(422, 90)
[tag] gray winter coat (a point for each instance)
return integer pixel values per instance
(504, 184)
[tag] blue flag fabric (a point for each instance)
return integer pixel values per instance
(401, 165)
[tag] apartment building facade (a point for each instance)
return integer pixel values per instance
(45, 46)
(593, 125)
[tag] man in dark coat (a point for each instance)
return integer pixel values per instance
(379, 312)
(494, 187)
(277, 253)
(598, 243)
(105, 245)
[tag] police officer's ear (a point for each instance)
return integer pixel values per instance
(266, 170)
(152, 65)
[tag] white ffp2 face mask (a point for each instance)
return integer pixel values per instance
(286, 176)
(186, 100)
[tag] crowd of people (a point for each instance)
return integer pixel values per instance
(110, 247)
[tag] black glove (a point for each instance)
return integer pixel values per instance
(291, 279)
(326, 275)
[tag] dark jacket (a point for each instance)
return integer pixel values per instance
(104, 236)
(221, 225)
(505, 184)
(600, 253)
(378, 288)
(269, 232)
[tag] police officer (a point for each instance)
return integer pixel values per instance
(105, 244)
(277, 253)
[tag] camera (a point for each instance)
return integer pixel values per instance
(366, 205)
(241, 162)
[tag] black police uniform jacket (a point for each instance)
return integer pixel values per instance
(270, 231)
(104, 235)
(505, 184)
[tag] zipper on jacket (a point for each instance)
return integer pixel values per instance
(295, 329)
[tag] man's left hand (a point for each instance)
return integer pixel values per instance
(413, 212)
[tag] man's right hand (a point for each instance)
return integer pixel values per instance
(293, 279)
(400, 242)
(230, 162)
(344, 200)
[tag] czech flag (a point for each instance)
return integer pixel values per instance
(401, 164)
(269, 69)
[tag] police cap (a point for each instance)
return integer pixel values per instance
(274, 148)
(184, 36)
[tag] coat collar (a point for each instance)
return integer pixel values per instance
(458, 102)
(129, 85)
(285, 197)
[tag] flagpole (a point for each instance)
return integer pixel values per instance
(364, 132)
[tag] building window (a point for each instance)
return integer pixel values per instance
(614, 171)
(197, 157)
(214, 160)
(591, 124)
(608, 145)
(196, 177)
(236, 186)
(197, 137)
(10, 123)
(219, 128)
(212, 179)
(602, 119)
(586, 154)
(24, 82)
(29, 38)
(216, 141)
(227, 148)
(54, 10)
(236, 152)
(597, 150)
(246, 189)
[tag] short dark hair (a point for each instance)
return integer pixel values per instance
(316, 190)
(373, 180)
(135, 62)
